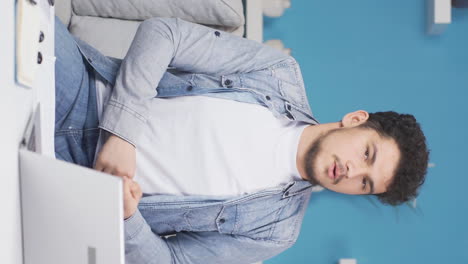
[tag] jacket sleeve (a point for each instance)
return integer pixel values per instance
(143, 246)
(170, 42)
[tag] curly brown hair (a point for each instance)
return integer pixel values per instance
(412, 167)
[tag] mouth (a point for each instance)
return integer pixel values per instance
(332, 171)
(339, 172)
(336, 171)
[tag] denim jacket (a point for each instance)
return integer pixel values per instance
(171, 57)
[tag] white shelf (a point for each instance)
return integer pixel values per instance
(439, 15)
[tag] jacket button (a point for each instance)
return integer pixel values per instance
(39, 58)
(268, 97)
(222, 220)
(190, 88)
(217, 33)
(227, 82)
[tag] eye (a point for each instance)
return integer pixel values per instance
(366, 154)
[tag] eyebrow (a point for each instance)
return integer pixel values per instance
(371, 184)
(374, 155)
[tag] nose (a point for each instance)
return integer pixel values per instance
(355, 169)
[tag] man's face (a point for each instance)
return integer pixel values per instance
(352, 160)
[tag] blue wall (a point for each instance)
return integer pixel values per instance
(375, 55)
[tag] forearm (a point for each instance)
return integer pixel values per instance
(149, 55)
(142, 245)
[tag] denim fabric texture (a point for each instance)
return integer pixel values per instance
(76, 122)
(205, 229)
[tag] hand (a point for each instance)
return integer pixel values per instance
(132, 195)
(117, 157)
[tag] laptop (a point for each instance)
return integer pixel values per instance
(70, 214)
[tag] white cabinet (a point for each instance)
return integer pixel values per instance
(35, 65)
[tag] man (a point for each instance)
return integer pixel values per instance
(223, 144)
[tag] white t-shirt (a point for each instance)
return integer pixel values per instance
(200, 145)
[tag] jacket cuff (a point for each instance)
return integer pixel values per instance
(123, 122)
(134, 225)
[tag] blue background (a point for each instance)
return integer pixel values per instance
(376, 55)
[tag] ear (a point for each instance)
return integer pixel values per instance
(355, 118)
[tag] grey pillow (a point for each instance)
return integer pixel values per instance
(112, 37)
(227, 13)
(63, 11)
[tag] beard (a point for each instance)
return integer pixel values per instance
(311, 157)
(310, 161)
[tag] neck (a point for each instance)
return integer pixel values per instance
(308, 137)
